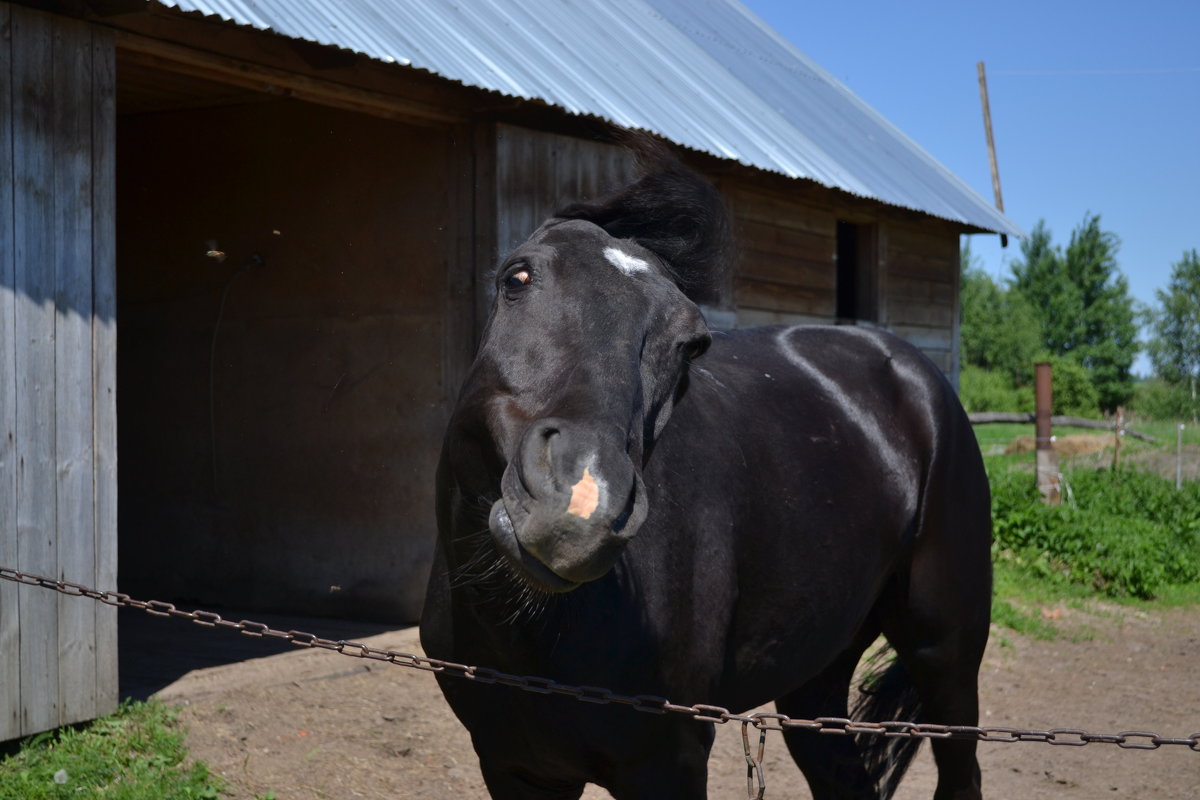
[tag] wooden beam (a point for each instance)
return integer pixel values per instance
(34, 246)
(72, 314)
(10, 630)
(988, 417)
(991, 143)
(104, 356)
(159, 54)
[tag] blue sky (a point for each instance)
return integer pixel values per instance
(1095, 107)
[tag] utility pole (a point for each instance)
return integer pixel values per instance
(991, 144)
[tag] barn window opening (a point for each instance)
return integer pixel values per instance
(856, 278)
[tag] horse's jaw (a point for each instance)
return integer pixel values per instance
(524, 565)
(557, 541)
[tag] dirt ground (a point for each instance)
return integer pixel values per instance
(313, 724)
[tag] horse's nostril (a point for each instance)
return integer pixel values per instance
(548, 437)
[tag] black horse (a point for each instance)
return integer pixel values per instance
(627, 500)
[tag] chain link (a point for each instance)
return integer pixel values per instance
(754, 767)
(763, 722)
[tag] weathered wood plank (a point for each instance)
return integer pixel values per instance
(517, 176)
(902, 287)
(941, 357)
(72, 56)
(932, 239)
(928, 252)
(758, 265)
(926, 338)
(104, 357)
(783, 297)
(784, 241)
(10, 632)
(987, 417)
(749, 205)
(484, 236)
(33, 228)
(537, 173)
(459, 302)
(908, 311)
(755, 317)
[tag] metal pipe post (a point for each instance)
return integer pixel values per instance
(1048, 480)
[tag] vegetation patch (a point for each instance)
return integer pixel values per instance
(136, 753)
(1120, 534)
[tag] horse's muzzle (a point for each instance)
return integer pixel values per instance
(570, 501)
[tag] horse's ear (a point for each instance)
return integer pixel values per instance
(674, 213)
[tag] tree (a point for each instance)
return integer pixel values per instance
(999, 330)
(1083, 304)
(1175, 344)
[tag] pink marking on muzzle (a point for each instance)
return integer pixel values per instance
(585, 496)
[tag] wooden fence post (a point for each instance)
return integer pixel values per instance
(1179, 458)
(1048, 480)
(1119, 433)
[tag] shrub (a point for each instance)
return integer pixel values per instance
(1123, 534)
(1074, 393)
(1157, 399)
(983, 390)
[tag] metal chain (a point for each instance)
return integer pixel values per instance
(754, 767)
(1069, 737)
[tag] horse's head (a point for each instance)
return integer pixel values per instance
(582, 361)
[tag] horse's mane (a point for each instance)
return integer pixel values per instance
(672, 212)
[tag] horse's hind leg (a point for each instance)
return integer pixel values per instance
(936, 618)
(945, 675)
(831, 764)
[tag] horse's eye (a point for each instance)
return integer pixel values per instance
(697, 347)
(516, 279)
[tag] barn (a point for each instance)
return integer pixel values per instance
(244, 250)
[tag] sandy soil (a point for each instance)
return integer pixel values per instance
(313, 724)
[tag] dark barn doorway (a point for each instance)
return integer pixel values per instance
(282, 328)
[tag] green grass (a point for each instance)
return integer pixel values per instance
(1127, 537)
(1166, 432)
(136, 753)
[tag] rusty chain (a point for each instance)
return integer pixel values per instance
(754, 768)
(762, 721)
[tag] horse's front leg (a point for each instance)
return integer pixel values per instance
(506, 783)
(674, 767)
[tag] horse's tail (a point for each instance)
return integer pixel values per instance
(886, 693)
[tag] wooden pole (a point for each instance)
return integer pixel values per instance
(1119, 433)
(991, 143)
(1179, 457)
(1048, 481)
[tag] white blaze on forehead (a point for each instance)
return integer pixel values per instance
(628, 264)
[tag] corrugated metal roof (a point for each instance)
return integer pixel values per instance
(705, 74)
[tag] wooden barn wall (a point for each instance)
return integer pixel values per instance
(535, 173)
(786, 245)
(291, 313)
(787, 268)
(57, 326)
(538, 172)
(922, 288)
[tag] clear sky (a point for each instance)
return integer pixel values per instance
(1095, 108)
